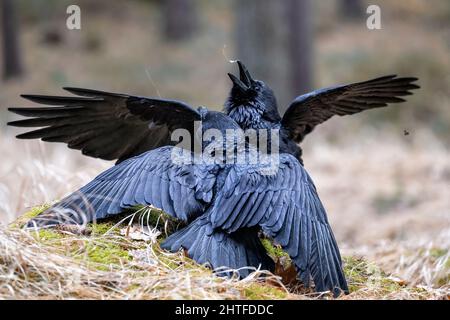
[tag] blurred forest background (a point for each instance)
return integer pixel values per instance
(384, 175)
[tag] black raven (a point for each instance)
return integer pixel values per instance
(226, 204)
(252, 104)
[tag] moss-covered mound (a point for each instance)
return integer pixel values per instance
(121, 258)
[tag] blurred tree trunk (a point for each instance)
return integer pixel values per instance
(300, 45)
(352, 9)
(277, 52)
(180, 19)
(12, 59)
(260, 37)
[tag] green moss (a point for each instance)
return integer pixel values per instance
(443, 281)
(47, 235)
(27, 216)
(274, 251)
(106, 254)
(262, 292)
(438, 252)
(362, 274)
(100, 253)
(99, 229)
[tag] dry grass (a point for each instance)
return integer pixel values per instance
(116, 262)
(52, 266)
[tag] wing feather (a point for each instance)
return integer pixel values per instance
(311, 109)
(149, 179)
(103, 124)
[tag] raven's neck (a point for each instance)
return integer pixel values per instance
(251, 118)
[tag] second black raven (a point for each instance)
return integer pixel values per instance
(252, 104)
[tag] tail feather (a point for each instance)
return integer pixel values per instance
(235, 251)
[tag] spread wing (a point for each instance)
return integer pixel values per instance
(311, 109)
(105, 125)
(181, 190)
(287, 207)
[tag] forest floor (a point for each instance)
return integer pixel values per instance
(117, 260)
(123, 260)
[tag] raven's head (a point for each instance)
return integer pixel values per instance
(251, 101)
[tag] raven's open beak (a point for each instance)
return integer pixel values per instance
(238, 83)
(244, 74)
(245, 82)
